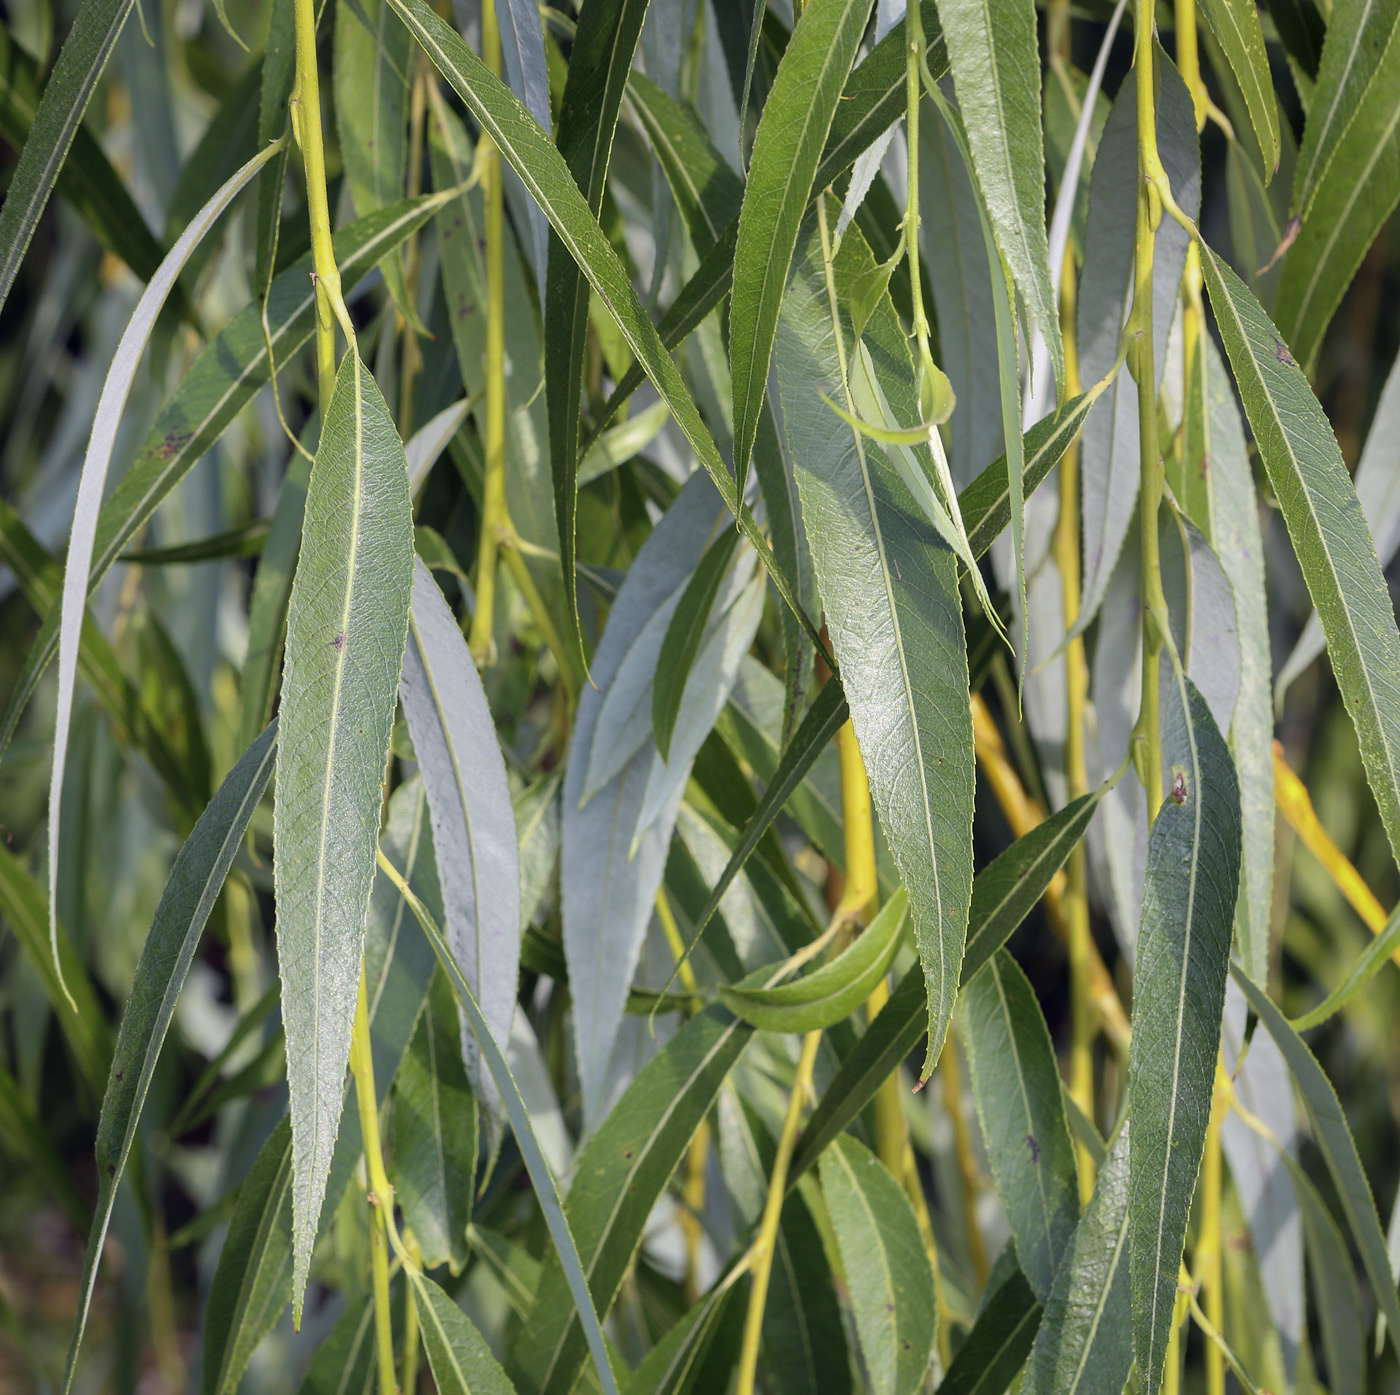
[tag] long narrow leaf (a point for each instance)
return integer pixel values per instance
(195, 882)
(346, 630)
(469, 799)
(101, 445)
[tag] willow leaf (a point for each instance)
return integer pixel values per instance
(1235, 24)
(1183, 949)
(101, 445)
(346, 630)
(787, 147)
(887, 1269)
(435, 1136)
(996, 69)
(1327, 527)
(832, 992)
(598, 65)
(1015, 1081)
(473, 822)
(461, 1361)
(892, 608)
(548, 181)
(66, 95)
(618, 1176)
(345, 1362)
(546, 1190)
(1348, 174)
(996, 1346)
(86, 178)
(1333, 1137)
(1003, 893)
(1085, 1342)
(195, 882)
(225, 377)
(370, 73)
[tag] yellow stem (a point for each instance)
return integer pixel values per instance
(381, 1194)
(1075, 899)
(693, 1195)
(305, 106)
(761, 1251)
(493, 504)
(1023, 814)
(1188, 60)
(1296, 806)
(1148, 733)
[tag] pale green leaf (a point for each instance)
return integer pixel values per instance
(195, 882)
(474, 835)
(892, 607)
(435, 1135)
(1327, 527)
(1183, 949)
(787, 147)
(1235, 24)
(1085, 1342)
(887, 1269)
(461, 1361)
(995, 61)
(346, 628)
(832, 992)
(1015, 1081)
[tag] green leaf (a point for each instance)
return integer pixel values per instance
(549, 182)
(346, 630)
(604, 44)
(887, 1270)
(707, 192)
(345, 1362)
(672, 1365)
(101, 444)
(1110, 452)
(1003, 893)
(195, 882)
(1367, 964)
(622, 1170)
(225, 377)
(1348, 173)
(546, 1190)
(461, 1361)
(687, 628)
(787, 147)
(66, 95)
(1183, 949)
(73, 997)
(1015, 1081)
(370, 81)
(804, 1340)
(435, 1134)
(874, 96)
(995, 1349)
(893, 611)
(1235, 24)
(87, 179)
(824, 719)
(1085, 1342)
(1326, 525)
(832, 992)
(1301, 29)
(474, 835)
(252, 1282)
(1333, 1138)
(996, 69)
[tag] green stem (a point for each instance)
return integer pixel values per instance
(306, 126)
(494, 516)
(381, 1194)
(1151, 183)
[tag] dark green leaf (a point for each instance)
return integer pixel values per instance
(996, 1348)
